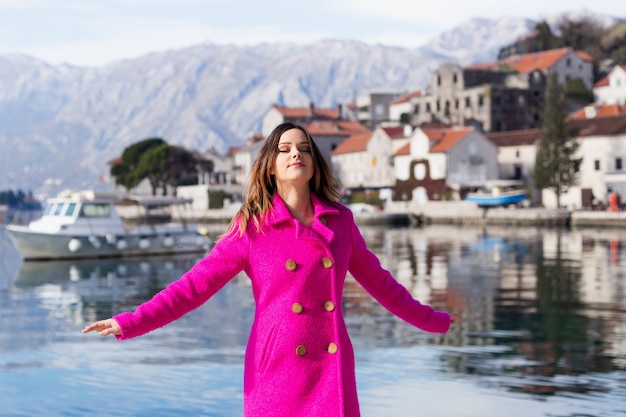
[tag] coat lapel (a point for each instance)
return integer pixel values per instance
(319, 229)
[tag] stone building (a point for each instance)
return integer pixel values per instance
(498, 96)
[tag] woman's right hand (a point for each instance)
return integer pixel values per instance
(104, 327)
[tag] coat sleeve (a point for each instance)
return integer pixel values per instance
(228, 257)
(366, 269)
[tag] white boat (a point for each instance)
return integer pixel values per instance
(88, 224)
(497, 193)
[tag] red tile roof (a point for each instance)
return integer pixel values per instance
(405, 150)
(407, 97)
(601, 126)
(535, 61)
(305, 112)
(596, 110)
(442, 140)
(355, 143)
(514, 137)
(604, 81)
(335, 127)
(607, 125)
(394, 132)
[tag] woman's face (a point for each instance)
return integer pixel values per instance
(294, 162)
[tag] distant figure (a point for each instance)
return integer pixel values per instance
(296, 243)
(614, 201)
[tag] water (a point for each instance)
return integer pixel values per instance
(543, 331)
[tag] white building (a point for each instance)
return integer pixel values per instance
(612, 88)
(364, 160)
(402, 105)
(602, 138)
(438, 162)
(372, 108)
(517, 151)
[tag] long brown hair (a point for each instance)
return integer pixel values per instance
(259, 193)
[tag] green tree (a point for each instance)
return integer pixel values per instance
(556, 166)
(204, 165)
(575, 88)
(165, 165)
(582, 35)
(545, 38)
(182, 167)
(125, 172)
(153, 165)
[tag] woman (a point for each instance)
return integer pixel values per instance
(296, 244)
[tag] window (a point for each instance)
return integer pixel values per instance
(596, 165)
(58, 209)
(454, 78)
(70, 209)
(481, 100)
(618, 164)
(438, 79)
(95, 210)
(467, 102)
(416, 110)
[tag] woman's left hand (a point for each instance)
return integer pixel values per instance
(104, 327)
(455, 318)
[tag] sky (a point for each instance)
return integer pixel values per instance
(97, 32)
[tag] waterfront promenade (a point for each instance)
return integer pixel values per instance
(454, 212)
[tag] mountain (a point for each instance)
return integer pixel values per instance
(59, 125)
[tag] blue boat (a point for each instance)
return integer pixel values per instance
(497, 193)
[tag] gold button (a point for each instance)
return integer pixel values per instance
(297, 308)
(329, 306)
(327, 262)
(300, 350)
(332, 348)
(290, 265)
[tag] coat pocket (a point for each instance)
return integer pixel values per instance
(268, 349)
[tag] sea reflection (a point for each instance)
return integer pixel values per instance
(543, 315)
(543, 310)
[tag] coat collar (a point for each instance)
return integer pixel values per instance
(280, 213)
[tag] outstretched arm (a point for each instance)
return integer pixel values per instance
(367, 270)
(226, 259)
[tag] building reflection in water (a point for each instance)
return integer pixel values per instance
(543, 309)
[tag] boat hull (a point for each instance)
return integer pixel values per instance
(496, 200)
(45, 246)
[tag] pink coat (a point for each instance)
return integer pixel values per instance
(299, 360)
